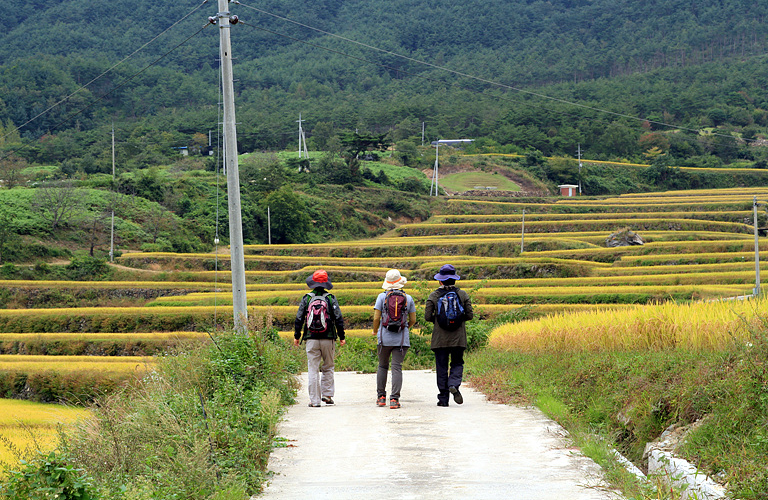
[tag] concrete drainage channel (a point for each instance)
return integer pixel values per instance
(674, 471)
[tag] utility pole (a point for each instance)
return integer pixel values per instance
(422, 133)
(237, 255)
(756, 291)
(522, 234)
(269, 226)
(112, 230)
(434, 173)
(301, 133)
(579, 168)
(437, 155)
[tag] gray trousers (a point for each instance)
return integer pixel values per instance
(398, 355)
(320, 378)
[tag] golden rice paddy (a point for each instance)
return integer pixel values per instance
(26, 426)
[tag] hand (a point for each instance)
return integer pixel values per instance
(343, 342)
(374, 332)
(296, 342)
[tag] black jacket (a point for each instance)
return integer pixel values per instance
(337, 323)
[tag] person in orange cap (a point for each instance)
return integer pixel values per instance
(319, 316)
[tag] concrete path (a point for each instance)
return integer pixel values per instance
(478, 450)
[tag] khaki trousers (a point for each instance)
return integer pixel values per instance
(320, 360)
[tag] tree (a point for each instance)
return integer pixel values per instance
(354, 144)
(58, 205)
(7, 234)
(618, 140)
(265, 173)
(157, 219)
(653, 141)
(92, 220)
(9, 134)
(322, 134)
(289, 220)
(407, 153)
(11, 168)
(333, 170)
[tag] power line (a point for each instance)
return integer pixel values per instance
(115, 89)
(415, 75)
(443, 68)
(85, 86)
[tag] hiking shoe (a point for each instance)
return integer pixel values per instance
(456, 395)
(442, 403)
(381, 401)
(327, 400)
(394, 403)
(314, 405)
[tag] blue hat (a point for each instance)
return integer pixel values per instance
(447, 272)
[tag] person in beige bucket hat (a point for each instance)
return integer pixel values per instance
(393, 314)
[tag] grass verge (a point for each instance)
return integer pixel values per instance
(628, 397)
(201, 425)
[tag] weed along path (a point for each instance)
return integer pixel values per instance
(477, 450)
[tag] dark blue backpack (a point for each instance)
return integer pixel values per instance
(450, 312)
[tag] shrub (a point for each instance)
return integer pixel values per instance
(203, 423)
(48, 476)
(88, 268)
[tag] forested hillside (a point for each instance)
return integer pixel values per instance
(605, 65)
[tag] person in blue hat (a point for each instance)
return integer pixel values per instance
(449, 308)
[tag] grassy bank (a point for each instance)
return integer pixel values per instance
(600, 382)
(201, 425)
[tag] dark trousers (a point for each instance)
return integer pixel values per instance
(397, 354)
(449, 365)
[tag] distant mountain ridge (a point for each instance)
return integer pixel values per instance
(588, 51)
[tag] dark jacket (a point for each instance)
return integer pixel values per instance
(445, 338)
(337, 321)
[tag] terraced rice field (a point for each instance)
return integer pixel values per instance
(26, 427)
(699, 246)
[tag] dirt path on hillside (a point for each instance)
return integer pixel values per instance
(478, 450)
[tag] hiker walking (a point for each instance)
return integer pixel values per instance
(393, 314)
(448, 307)
(319, 317)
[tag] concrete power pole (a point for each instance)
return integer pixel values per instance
(237, 255)
(301, 134)
(579, 168)
(756, 291)
(112, 230)
(434, 171)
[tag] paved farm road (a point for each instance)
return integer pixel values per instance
(478, 450)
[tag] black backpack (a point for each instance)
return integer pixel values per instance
(450, 312)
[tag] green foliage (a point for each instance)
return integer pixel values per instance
(202, 424)
(88, 268)
(677, 78)
(290, 222)
(48, 476)
(54, 387)
(360, 354)
(629, 398)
